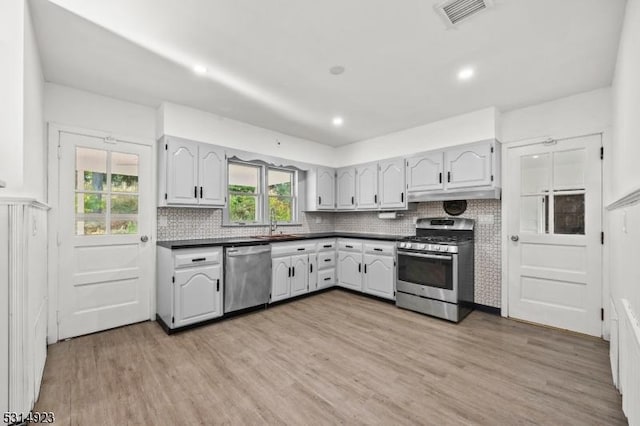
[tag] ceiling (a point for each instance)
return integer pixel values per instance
(268, 60)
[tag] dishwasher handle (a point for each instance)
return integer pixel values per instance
(248, 251)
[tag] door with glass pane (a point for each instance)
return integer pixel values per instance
(105, 210)
(554, 197)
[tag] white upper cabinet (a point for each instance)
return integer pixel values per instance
(367, 186)
(321, 189)
(391, 184)
(425, 172)
(346, 188)
(191, 174)
(181, 172)
(212, 166)
(469, 166)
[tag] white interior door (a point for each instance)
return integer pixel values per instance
(105, 212)
(554, 225)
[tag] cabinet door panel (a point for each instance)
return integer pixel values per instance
(326, 183)
(350, 270)
(469, 166)
(280, 278)
(391, 185)
(197, 295)
(425, 173)
(379, 275)
(367, 187)
(213, 176)
(182, 172)
(346, 184)
(299, 275)
(313, 272)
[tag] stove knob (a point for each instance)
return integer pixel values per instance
(421, 246)
(407, 245)
(437, 248)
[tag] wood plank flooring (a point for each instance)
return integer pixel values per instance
(333, 358)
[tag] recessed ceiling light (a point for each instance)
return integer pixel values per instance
(466, 73)
(337, 70)
(200, 69)
(337, 121)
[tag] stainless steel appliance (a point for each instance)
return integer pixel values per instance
(247, 277)
(435, 268)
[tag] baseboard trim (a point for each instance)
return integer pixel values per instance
(488, 309)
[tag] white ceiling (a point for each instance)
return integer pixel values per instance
(268, 60)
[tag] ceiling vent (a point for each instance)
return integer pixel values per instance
(456, 11)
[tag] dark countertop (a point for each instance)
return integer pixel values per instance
(246, 241)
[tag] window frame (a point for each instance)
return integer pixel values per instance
(262, 209)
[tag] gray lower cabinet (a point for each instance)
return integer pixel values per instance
(290, 270)
(189, 287)
(368, 266)
(379, 276)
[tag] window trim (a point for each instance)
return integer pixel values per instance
(263, 212)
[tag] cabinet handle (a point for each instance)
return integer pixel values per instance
(195, 192)
(289, 272)
(377, 249)
(402, 197)
(301, 249)
(327, 279)
(440, 177)
(359, 267)
(311, 268)
(218, 285)
(448, 176)
(320, 200)
(348, 246)
(327, 246)
(353, 200)
(200, 192)
(375, 198)
(199, 259)
(365, 268)
(293, 271)
(327, 260)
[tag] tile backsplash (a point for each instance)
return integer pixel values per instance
(188, 223)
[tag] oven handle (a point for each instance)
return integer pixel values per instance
(426, 256)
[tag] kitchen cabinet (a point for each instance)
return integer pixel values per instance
(290, 269)
(424, 172)
(326, 264)
(191, 174)
(367, 186)
(189, 285)
(346, 188)
(321, 189)
(379, 272)
(350, 264)
(391, 184)
(469, 166)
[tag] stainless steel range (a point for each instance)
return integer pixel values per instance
(435, 268)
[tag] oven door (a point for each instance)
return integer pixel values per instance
(428, 275)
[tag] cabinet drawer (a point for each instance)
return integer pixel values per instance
(384, 249)
(326, 245)
(196, 257)
(326, 260)
(326, 277)
(349, 245)
(288, 249)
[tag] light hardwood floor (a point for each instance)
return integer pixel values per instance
(333, 358)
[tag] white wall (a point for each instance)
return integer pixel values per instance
(580, 114)
(78, 108)
(189, 123)
(456, 130)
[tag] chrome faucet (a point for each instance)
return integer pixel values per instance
(273, 223)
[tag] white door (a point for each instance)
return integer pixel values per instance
(197, 294)
(469, 166)
(299, 275)
(182, 172)
(367, 186)
(350, 270)
(424, 173)
(212, 173)
(326, 184)
(391, 186)
(379, 275)
(554, 225)
(280, 276)
(346, 182)
(105, 220)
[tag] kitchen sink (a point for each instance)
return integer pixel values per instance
(274, 237)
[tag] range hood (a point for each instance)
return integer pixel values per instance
(466, 194)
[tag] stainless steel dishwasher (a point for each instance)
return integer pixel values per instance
(247, 277)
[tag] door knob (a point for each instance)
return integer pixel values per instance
(144, 238)
(514, 238)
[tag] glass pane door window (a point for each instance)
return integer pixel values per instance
(552, 192)
(106, 192)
